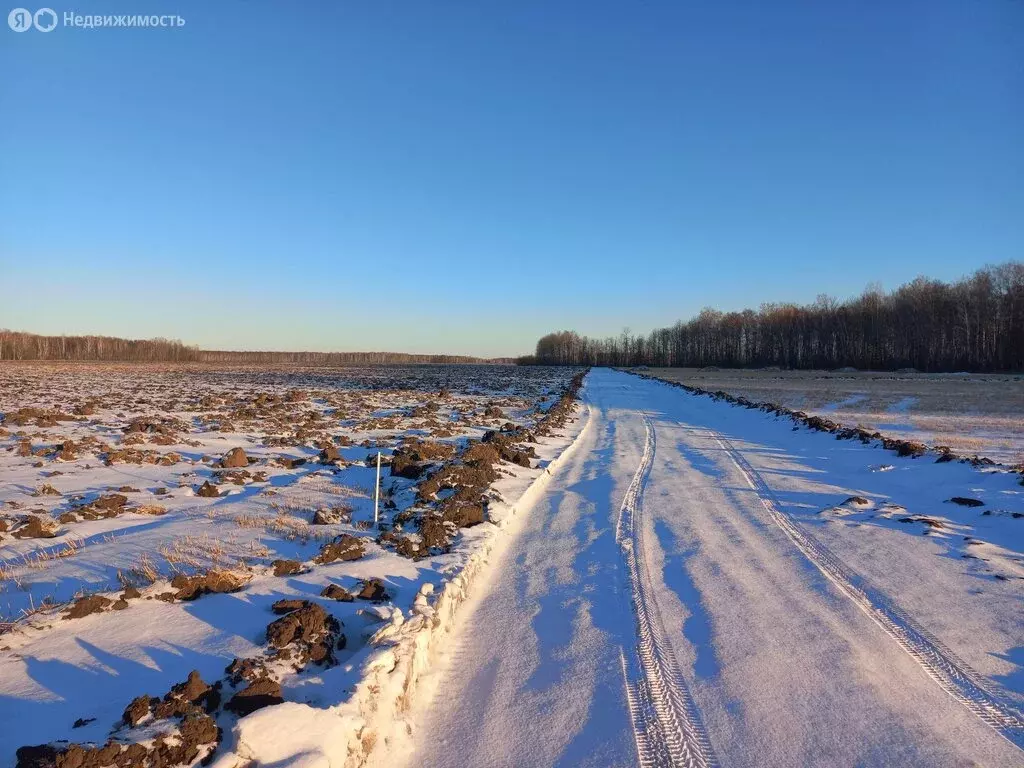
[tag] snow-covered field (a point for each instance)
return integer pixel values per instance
(979, 414)
(662, 578)
(158, 521)
(705, 584)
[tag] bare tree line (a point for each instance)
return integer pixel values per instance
(973, 324)
(19, 345)
(338, 358)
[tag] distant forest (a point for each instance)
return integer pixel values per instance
(339, 358)
(974, 324)
(17, 345)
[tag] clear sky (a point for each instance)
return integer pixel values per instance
(463, 177)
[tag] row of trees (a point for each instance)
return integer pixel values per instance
(974, 324)
(18, 345)
(336, 358)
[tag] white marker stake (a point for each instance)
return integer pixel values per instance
(376, 492)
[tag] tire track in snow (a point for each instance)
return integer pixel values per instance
(666, 725)
(952, 674)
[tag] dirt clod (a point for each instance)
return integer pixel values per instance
(213, 582)
(234, 458)
(112, 501)
(208, 491)
(138, 710)
(373, 589)
(307, 633)
(287, 606)
(249, 670)
(84, 606)
(184, 697)
(330, 454)
(286, 567)
(434, 533)
(335, 515)
(303, 621)
(344, 547)
(334, 592)
(36, 527)
(965, 501)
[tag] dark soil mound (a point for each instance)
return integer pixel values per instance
(462, 514)
(306, 630)
(110, 501)
(85, 606)
(287, 606)
(208, 491)
(403, 465)
(410, 460)
(286, 567)
(36, 527)
(213, 582)
(334, 592)
(235, 458)
(184, 698)
(373, 589)
(344, 547)
(434, 533)
(965, 501)
(332, 516)
(330, 454)
(459, 478)
(42, 756)
(110, 505)
(304, 621)
(139, 710)
(480, 454)
(249, 670)
(66, 451)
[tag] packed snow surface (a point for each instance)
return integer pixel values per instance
(703, 585)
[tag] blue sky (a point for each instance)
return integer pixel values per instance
(466, 176)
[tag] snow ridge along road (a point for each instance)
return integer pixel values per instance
(953, 675)
(666, 724)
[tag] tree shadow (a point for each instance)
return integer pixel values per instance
(99, 687)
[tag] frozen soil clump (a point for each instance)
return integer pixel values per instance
(212, 582)
(345, 547)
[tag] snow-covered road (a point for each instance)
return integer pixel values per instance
(686, 593)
